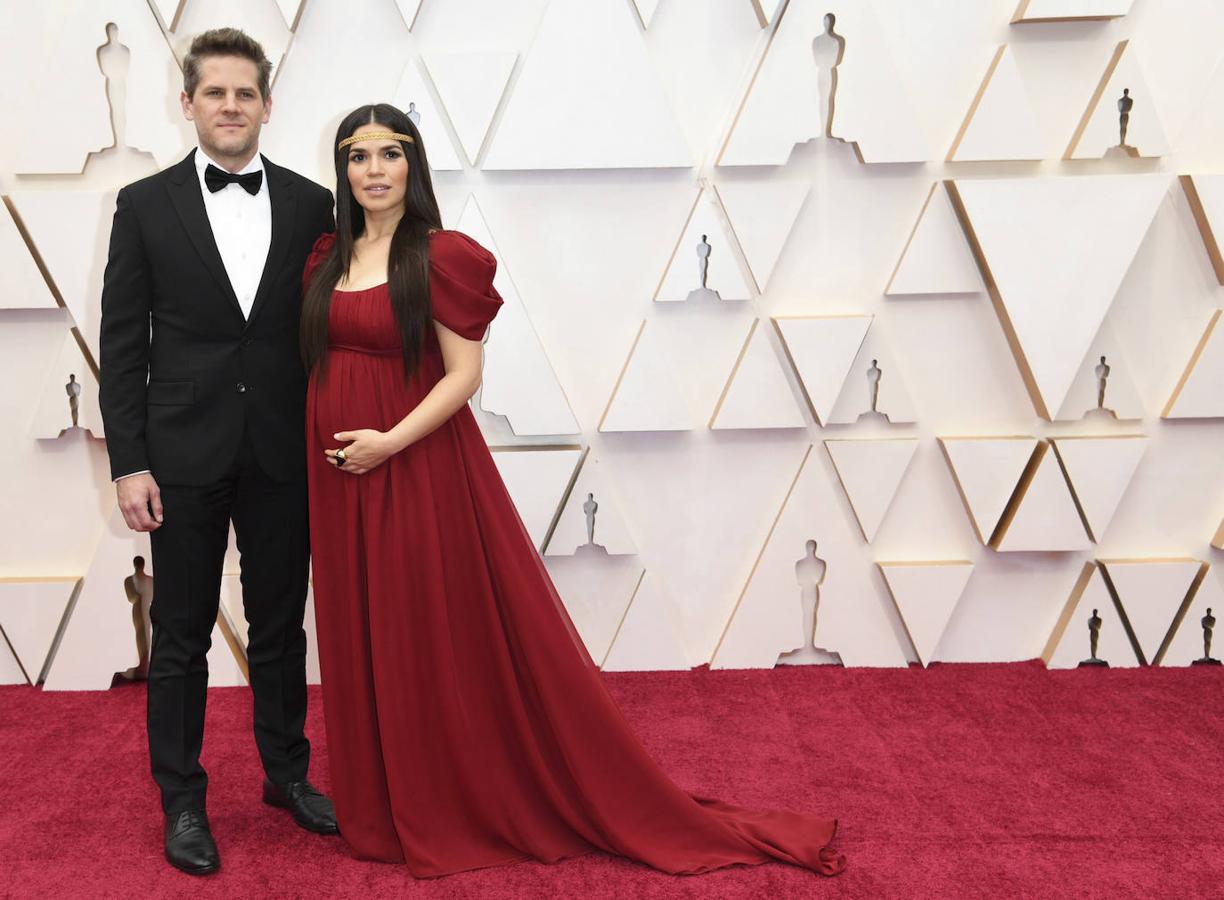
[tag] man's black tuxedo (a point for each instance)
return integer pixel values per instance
(209, 371)
(213, 404)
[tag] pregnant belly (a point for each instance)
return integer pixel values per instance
(360, 390)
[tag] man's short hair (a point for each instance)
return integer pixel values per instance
(226, 42)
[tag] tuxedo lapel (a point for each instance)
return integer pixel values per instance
(282, 193)
(184, 187)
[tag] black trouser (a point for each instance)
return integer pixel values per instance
(270, 521)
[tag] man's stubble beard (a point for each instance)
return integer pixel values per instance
(247, 149)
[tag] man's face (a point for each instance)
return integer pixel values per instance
(227, 109)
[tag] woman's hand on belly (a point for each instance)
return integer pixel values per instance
(366, 449)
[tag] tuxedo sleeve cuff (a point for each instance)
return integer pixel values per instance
(130, 474)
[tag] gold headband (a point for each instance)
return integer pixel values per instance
(375, 136)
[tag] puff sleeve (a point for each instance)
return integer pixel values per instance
(461, 284)
(318, 253)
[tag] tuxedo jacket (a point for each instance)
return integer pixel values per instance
(183, 372)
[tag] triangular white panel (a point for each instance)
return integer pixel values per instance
(99, 639)
(646, 10)
(875, 386)
(536, 478)
(762, 215)
(705, 256)
(646, 396)
(409, 10)
(291, 11)
(852, 618)
(986, 471)
(1100, 470)
(471, 85)
(1200, 391)
(64, 39)
(1103, 387)
(1070, 10)
(1045, 518)
(591, 505)
(822, 350)
(21, 284)
(874, 108)
(870, 472)
(936, 259)
(757, 393)
(588, 97)
(596, 591)
(1187, 643)
(1152, 591)
(1218, 540)
(926, 593)
(71, 230)
(30, 615)
(651, 636)
(1099, 129)
(1057, 249)
(1070, 642)
(518, 381)
(69, 377)
(1000, 123)
(10, 671)
(414, 98)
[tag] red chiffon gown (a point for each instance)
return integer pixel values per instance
(466, 724)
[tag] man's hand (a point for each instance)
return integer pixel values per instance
(140, 500)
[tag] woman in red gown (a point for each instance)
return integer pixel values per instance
(466, 724)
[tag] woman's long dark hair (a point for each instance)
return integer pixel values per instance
(408, 262)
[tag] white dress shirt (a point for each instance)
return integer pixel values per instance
(241, 226)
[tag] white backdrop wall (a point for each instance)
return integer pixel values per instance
(584, 181)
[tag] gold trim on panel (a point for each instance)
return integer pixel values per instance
(734, 371)
(1194, 358)
(1204, 225)
(1013, 504)
(996, 299)
(977, 99)
(913, 231)
(621, 377)
(565, 495)
(637, 587)
(1064, 617)
(235, 645)
(761, 553)
(1095, 99)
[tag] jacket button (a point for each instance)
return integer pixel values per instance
(246, 342)
(241, 388)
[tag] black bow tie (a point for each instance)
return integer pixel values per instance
(216, 179)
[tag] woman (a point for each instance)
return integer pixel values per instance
(466, 724)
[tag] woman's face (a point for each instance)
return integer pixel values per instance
(377, 170)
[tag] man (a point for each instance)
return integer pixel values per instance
(203, 399)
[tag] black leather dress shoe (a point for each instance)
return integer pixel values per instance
(189, 843)
(310, 809)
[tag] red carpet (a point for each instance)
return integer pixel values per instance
(957, 781)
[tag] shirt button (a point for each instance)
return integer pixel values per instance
(241, 388)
